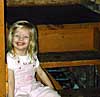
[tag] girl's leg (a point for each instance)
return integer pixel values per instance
(44, 92)
(50, 93)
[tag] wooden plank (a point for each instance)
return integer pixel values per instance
(68, 26)
(2, 51)
(70, 63)
(40, 2)
(66, 39)
(97, 38)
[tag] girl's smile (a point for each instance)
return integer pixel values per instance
(20, 43)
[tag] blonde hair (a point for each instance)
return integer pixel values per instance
(32, 49)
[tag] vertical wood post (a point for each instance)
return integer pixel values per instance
(2, 52)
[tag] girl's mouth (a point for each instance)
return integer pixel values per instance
(20, 43)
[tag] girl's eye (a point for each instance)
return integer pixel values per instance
(16, 36)
(26, 37)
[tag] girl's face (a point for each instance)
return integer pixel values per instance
(21, 39)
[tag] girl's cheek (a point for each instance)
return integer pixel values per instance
(15, 40)
(27, 41)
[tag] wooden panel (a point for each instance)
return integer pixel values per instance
(97, 38)
(97, 42)
(70, 63)
(2, 51)
(40, 2)
(66, 39)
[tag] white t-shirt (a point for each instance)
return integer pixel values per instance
(11, 60)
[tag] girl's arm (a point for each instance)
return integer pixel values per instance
(43, 76)
(10, 83)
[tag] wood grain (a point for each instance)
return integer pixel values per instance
(2, 51)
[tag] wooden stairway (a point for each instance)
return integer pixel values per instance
(69, 45)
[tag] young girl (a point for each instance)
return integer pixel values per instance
(23, 64)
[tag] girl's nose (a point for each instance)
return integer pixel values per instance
(21, 38)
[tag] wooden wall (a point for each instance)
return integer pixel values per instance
(2, 51)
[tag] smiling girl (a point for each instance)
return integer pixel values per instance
(23, 64)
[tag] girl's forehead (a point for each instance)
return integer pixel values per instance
(23, 30)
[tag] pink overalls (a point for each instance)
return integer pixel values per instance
(25, 82)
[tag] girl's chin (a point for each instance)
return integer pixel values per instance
(20, 48)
